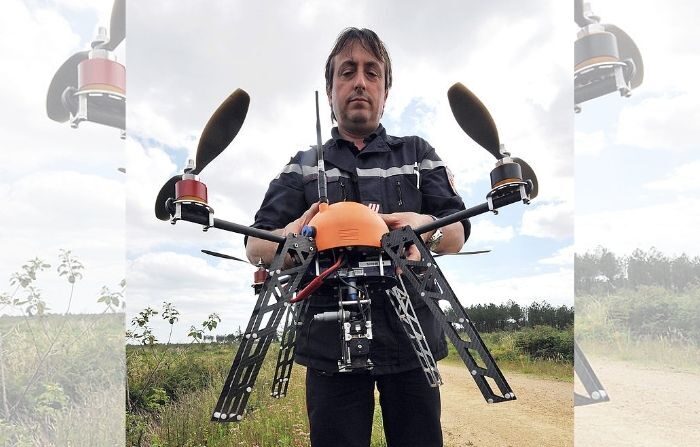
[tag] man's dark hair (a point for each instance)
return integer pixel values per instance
(370, 42)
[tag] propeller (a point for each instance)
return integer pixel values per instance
(477, 252)
(528, 174)
(221, 255)
(220, 130)
(166, 191)
(66, 76)
(117, 26)
(627, 49)
(474, 118)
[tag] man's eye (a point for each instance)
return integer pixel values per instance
(346, 73)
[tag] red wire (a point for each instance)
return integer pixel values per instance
(316, 282)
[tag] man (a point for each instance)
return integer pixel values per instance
(407, 183)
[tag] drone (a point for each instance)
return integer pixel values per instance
(606, 59)
(91, 85)
(348, 248)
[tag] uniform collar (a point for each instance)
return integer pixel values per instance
(377, 141)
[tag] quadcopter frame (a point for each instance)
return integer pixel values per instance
(183, 197)
(277, 292)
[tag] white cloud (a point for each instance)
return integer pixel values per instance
(549, 220)
(487, 231)
(52, 210)
(590, 144)
(661, 123)
(556, 288)
(562, 257)
(683, 179)
(194, 287)
(669, 227)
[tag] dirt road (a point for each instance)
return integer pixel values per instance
(542, 415)
(648, 407)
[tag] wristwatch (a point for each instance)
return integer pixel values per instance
(434, 240)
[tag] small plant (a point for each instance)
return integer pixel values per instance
(52, 364)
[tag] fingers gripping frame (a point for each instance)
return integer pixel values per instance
(272, 302)
(431, 286)
(589, 380)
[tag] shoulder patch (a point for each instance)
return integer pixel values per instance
(451, 178)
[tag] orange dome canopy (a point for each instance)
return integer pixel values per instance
(347, 224)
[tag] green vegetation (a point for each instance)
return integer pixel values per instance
(169, 407)
(644, 307)
(61, 376)
(650, 325)
(510, 316)
(173, 390)
(542, 351)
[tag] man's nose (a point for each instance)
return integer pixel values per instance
(360, 81)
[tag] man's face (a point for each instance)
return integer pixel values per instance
(358, 94)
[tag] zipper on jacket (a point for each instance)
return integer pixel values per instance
(398, 190)
(342, 191)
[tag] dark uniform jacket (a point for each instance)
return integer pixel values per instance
(389, 175)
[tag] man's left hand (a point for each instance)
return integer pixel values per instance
(414, 220)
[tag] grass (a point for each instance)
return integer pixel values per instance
(650, 327)
(510, 358)
(269, 422)
(63, 381)
(660, 352)
(183, 419)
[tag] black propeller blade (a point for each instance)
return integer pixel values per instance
(66, 76)
(117, 25)
(628, 50)
(166, 191)
(474, 118)
(221, 129)
(528, 174)
(477, 252)
(221, 255)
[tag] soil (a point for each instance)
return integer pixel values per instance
(541, 416)
(649, 406)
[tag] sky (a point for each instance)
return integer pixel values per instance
(637, 158)
(634, 161)
(180, 70)
(61, 187)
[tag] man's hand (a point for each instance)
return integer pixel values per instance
(414, 220)
(262, 250)
(452, 234)
(296, 225)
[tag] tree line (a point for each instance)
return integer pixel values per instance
(511, 316)
(601, 270)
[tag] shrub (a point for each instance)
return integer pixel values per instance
(545, 342)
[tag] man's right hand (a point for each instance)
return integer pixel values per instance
(296, 225)
(260, 249)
